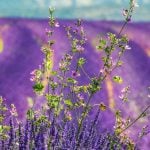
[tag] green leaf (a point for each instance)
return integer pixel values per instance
(30, 114)
(1, 128)
(68, 102)
(81, 62)
(53, 100)
(71, 80)
(38, 87)
(117, 79)
(102, 44)
(54, 73)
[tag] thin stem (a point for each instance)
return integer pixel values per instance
(136, 119)
(85, 73)
(122, 28)
(83, 116)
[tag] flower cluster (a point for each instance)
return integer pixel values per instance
(41, 132)
(127, 13)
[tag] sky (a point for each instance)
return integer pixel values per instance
(68, 9)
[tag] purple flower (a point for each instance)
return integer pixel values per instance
(75, 74)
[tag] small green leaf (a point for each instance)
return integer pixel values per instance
(71, 80)
(81, 62)
(54, 73)
(117, 79)
(30, 114)
(38, 87)
(102, 44)
(53, 100)
(68, 102)
(1, 128)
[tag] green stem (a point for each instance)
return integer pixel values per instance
(122, 28)
(140, 116)
(85, 73)
(83, 116)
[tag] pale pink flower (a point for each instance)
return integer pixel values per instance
(57, 24)
(13, 110)
(127, 47)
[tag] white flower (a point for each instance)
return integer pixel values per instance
(134, 3)
(57, 24)
(125, 12)
(127, 47)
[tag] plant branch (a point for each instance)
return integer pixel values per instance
(140, 116)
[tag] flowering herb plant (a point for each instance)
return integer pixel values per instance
(63, 122)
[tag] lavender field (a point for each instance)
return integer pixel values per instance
(20, 53)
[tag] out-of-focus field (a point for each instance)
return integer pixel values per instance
(20, 44)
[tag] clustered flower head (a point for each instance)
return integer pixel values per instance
(124, 93)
